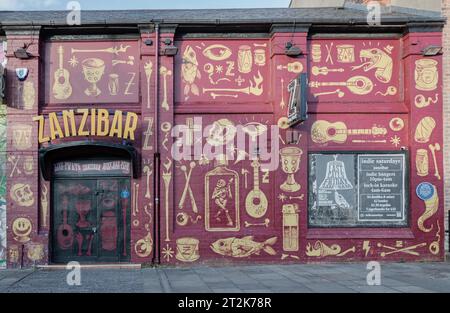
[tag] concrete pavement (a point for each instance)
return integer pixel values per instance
(324, 278)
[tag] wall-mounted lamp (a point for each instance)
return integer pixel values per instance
(431, 50)
(169, 49)
(22, 53)
(292, 50)
(148, 42)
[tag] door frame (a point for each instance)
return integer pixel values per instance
(52, 231)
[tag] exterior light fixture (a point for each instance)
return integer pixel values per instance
(292, 50)
(431, 50)
(22, 53)
(169, 49)
(148, 42)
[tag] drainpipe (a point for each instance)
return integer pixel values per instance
(157, 160)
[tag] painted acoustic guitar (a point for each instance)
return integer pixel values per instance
(65, 231)
(62, 89)
(324, 131)
(256, 203)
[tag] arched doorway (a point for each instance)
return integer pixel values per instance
(91, 202)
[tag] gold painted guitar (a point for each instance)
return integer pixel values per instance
(324, 131)
(256, 203)
(62, 89)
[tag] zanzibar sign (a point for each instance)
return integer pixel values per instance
(99, 126)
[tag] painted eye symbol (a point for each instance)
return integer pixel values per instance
(217, 52)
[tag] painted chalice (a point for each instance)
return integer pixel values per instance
(93, 70)
(290, 162)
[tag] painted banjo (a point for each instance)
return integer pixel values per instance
(358, 85)
(256, 203)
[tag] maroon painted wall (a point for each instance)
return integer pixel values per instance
(374, 85)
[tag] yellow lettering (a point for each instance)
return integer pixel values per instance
(130, 125)
(69, 115)
(93, 122)
(116, 126)
(81, 131)
(41, 121)
(55, 128)
(103, 123)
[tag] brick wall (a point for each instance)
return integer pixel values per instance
(446, 104)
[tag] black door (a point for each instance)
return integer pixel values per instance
(91, 220)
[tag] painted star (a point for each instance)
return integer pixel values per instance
(219, 69)
(282, 197)
(395, 141)
(74, 61)
(167, 253)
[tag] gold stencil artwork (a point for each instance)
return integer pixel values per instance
(187, 249)
(167, 178)
(148, 172)
(222, 132)
(22, 195)
(426, 74)
(255, 88)
(28, 165)
(187, 188)
(44, 205)
(358, 85)
(245, 59)
(345, 53)
(316, 71)
(421, 102)
(435, 246)
(425, 129)
(217, 52)
(13, 254)
(165, 72)
(256, 203)
(167, 253)
(290, 227)
(29, 95)
(294, 67)
(22, 136)
(244, 247)
(290, 161)
(21, 228)
(323, 132)
(399, 248)
(431, 208)
(148, 68)
(435, 148)
(422, 162)
(190, 72)
(222, 198)
(144, 246)
(316, 53)
(321, 250)
(62, 89)
(112, 50)
(35, 252)
(93, 70)
(381, 61)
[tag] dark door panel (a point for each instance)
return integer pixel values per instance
(91, 220)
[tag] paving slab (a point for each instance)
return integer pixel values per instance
(322, 278)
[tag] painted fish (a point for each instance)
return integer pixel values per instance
(242, 248)
(190, 72)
